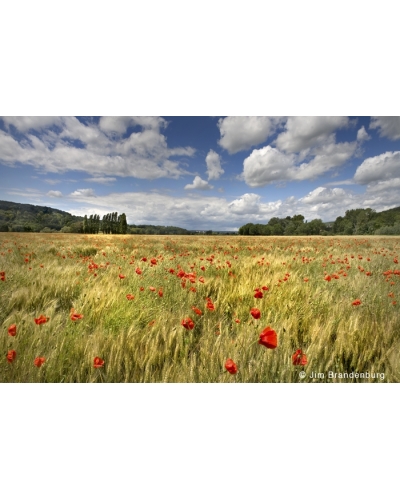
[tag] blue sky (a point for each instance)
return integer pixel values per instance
(201, 172)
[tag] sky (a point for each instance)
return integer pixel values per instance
(202, 172)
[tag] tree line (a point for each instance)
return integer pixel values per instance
(111, 223)
(359, 221)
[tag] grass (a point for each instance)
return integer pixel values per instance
(142, 340)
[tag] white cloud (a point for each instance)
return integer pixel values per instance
(269, 165)
(249, 203)
(83, 193)
(26, 123)
(378, 168)
(213, 162)
(303, 132)
(362, 135)
(266, 165)
(388, 126)
(198, 183)
(101, 180)
(326, 157)
(55, 194)
(239, 133)
(144, 154)
(322, 195)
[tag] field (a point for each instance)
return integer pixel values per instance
(96, 308)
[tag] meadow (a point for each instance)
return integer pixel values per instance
(133, 308)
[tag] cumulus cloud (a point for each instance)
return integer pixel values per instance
(249, 203)
(303, 132)
(239, 133)
(213, 162)
(271, 165)
(55, 194)
(388, 126)
(266, 165)
(26, 123)
(198, 183)
(379, 168)
(83, 193)
(87, 147)
(322, 195)
(362, 135)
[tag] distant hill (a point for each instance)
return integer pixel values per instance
(28, 218)
(21, 217)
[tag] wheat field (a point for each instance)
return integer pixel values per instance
(127, 308)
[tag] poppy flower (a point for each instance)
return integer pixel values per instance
(299, 358)
(39, 361)
(160, 293)
(98, 362)
(121, 276)
(197, 311)
(356, 302)
(130, 297)
(327, 278)
(138, 270)
(152, 289)
(187, 323)
(154, 261)
(237, 320)
(41, 319)
(265, 288)
(141, 288)
(210, 305)
(268, 338)
(258, 294)
(256, 313)
(12, 330)
(74, 315)
(230, 365)
(11, 355)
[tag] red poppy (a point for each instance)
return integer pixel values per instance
(121, 276)
(356, 302)
(306, 279)
(210, 305)
(187, 323)
(160, 293)
(230, 365)
(130, 297)
(265, 288)
(327, 278)
(74, 315)
(197, 311)
(237, 320)
(12, 330)
(152, 289)
(11, 355)
(142, 288)
(39, 361)
(154, 261)
(268, 338)
(41, 319)
(138, 270)
(299, 358)
(201, 279)
(98, 362)
(256, 313)
(258, 294)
